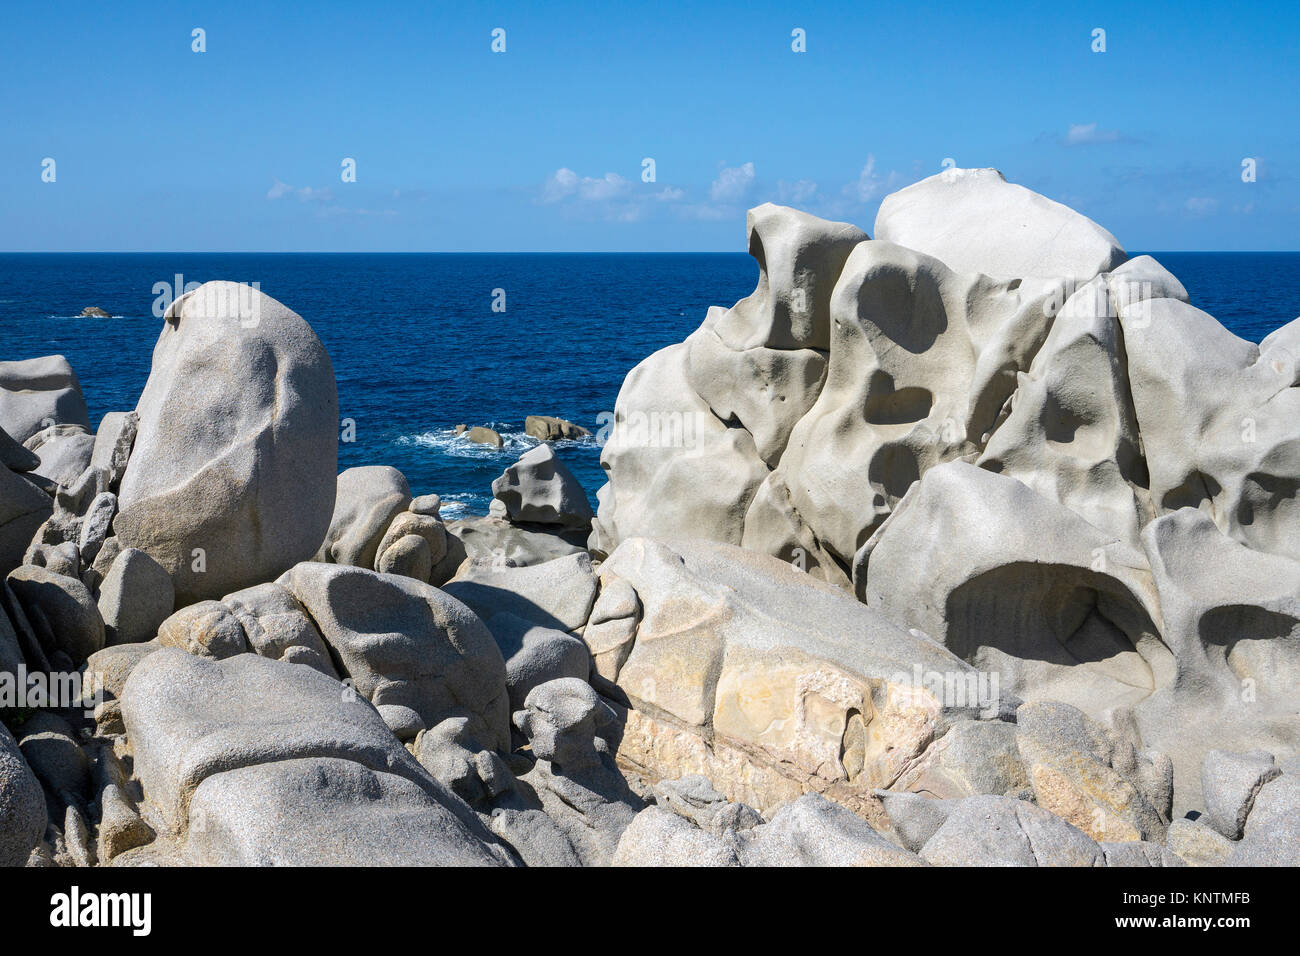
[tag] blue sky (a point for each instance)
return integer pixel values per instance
(457, 148)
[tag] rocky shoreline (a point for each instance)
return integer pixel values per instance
(972, 543)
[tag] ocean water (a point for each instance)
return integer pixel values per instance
(417, 348)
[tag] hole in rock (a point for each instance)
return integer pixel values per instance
(1056, 614)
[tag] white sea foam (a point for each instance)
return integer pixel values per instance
(514, 442)
(463, 504)
(445, 440)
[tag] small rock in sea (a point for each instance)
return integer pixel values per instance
(547, 428)
(93, 312)
(484, 436)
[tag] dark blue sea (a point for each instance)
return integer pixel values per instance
(417, 348)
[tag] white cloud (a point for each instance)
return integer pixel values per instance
(849, 201)
(564, 183)
(610, 197)
(868, 184)
(600, 190)
(1082, 134)
(732, 183)
(281, 189)
(1201, 206)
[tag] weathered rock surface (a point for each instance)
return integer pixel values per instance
(24, 508)
(365, 503)
(812, 831)
(50, 747)
(113, 444)
(250, 761)
(406, 643)
(535, 655)
(771, 683)
(111, 667)
(121, 827)
(22, 805)
(576, 784)
(37, 393)
(232, 476)
(558, 594)
(910, 366)
(693, 798)
(657, 837)
(323, 811)
(1018, 585)
(974, 757)
(1271, 836)
(1003, 433)
(1229, 785)
(206, 629)
(1197, 843)
(665, 439)
(417, 546)
(64, 450)
(539, 488)
(1139, 853)
(456, 756)
(59, 609)
(1092, 777)
(1231, 620)
(135, 597)
(496, 542)
(1002, 831)
(1071, 433)
(976, 221)
(14, 456)
(96, 526)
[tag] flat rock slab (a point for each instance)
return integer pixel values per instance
(557, 593)
(190, 718)
(323, 811)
